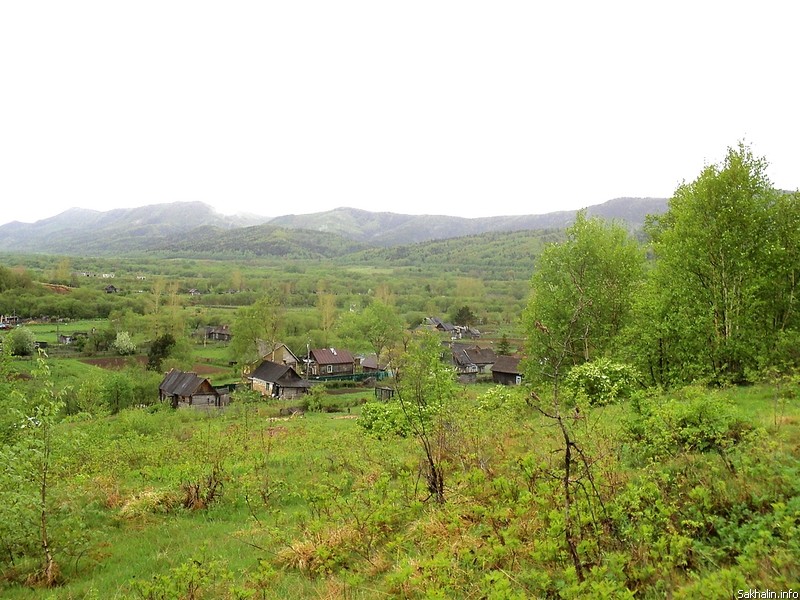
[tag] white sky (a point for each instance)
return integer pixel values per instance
(462, 108)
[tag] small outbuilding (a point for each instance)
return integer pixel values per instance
(506, 370)
(184, 388)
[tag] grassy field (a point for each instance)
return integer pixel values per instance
(49, 332)
(312, 506)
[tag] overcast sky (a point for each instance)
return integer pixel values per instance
(459, 108)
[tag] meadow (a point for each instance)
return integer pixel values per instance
(245, 503)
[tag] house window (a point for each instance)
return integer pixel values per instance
(330, 368)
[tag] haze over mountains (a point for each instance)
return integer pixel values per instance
(186, 227)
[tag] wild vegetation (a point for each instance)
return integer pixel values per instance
(652, 451)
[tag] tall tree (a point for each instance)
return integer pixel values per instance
(378, 325)
(581, 294)
(326, 304)
(27, 480)
(726, 269)
(256, 329)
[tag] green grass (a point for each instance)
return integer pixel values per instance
(212, 352)
(49, 332)
(322, 475)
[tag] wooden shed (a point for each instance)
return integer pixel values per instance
(506, 370)
(184, 388)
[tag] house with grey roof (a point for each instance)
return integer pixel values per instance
(278, 381)
(184, 388)
(506, 370)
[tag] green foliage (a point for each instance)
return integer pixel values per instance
(123, 344)
(196, 578)
(581, 295)
(725, 277)
(464, 316)
(14, 280)
(501, 397)
(118, 392)
(384, 419)
(256, 329)
(694, 420)
(601, 382)
(378, 325)
(503, 346)
(159, 350)
(313, 400)
(21, 341)
(26, 499)
(426, 390)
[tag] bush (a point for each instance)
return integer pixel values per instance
(22, 341)
(123, 344)
(384, 419)
(693, 421)
(602, 382)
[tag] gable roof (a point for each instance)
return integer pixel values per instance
(481, 356)
(332, 356)
(441, 325)
(284, 375)
(507, 364)
(371, 362)
(183, 383)
(473, 355)
(285, 352)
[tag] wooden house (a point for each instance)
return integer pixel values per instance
(472, 359)
(184, 388)
(280, 354)
(278, 381)
(331, 361)
(506, 370)
(369, 364)
(220, 333)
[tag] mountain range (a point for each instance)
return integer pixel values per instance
(196, 228)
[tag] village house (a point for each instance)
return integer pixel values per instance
(184, 388)
(278, 381)
(470, 361)
(330, 361)
(454, 332)
(279, 353)
(369, 364)
(506, 370)
(219, 333)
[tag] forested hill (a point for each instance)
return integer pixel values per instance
(80, 231)
(391, 229)
(187, 228)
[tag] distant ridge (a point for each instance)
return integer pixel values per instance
(195, 227)
(392, 229)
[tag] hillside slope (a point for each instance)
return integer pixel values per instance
(194, 227)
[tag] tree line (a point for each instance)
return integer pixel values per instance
(710, 297)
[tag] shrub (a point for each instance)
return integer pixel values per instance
(693, 421)
(123, 344)
(22, 341)
(384, 419)
(602, 381)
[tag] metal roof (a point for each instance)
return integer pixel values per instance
(331, 356)
(182, 383)
(284, 375)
